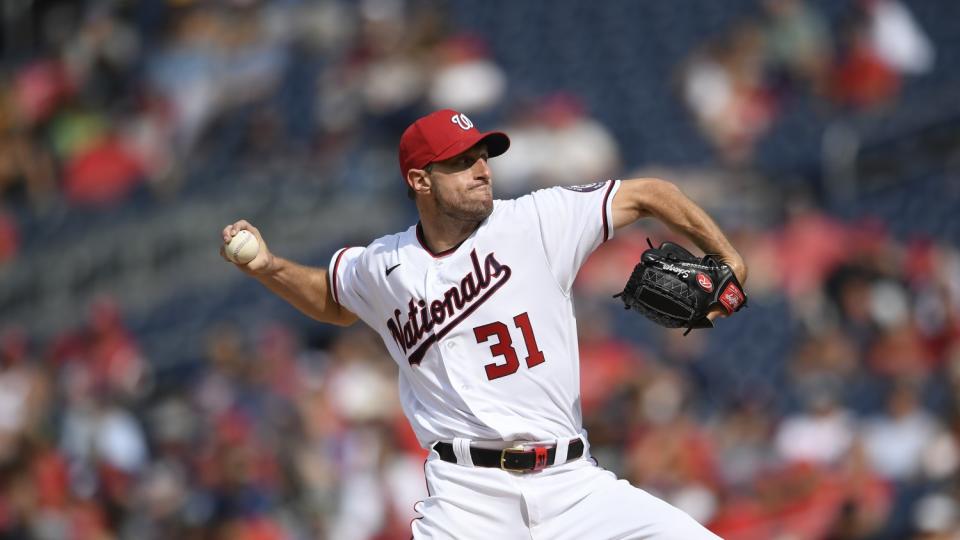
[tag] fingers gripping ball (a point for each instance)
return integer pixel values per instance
(243, 247)
(675, 289)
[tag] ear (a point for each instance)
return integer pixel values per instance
(418, 180)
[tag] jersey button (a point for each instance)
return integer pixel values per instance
(451, 345)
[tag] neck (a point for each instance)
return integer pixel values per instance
(441, 233)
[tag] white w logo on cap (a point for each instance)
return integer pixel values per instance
(461, 120)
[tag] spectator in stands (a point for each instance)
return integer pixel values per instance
(859, 500)
(217, 59)
(466, 77)
(614, 362)
(932, 272)
(724, 85)
(742, 435)
(9, 238)
(937, 517)
(102, 55)
(581, 147)
(829, 356)
(104, 173)
(26, 168)
(822, 434)
(390, 62)
(897, 38)
(805, 260)
(560, 144)
(900, 351)
(896, 440)
(861, 79)
(798, 42)
(668, 452)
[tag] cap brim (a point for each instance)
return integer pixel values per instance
(497, 143)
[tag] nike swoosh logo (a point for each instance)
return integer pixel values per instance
(392, 268)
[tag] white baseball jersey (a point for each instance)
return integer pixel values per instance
(486, 341)
(484, 333)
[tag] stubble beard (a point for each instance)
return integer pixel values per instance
(468, 210)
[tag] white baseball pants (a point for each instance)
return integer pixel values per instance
(575, 501)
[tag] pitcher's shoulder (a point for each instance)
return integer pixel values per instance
(513, 210)
(387, 247)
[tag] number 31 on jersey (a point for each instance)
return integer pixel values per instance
(504, 346)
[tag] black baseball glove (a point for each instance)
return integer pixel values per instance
(676, 289)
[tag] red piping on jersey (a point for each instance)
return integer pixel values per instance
(333, 278)
(423, 244)
(606, 233)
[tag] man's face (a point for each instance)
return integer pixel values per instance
(460, 186)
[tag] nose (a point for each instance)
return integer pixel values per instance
(481, 168)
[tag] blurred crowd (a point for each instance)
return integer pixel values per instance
(104, 99)
(265, 439)
(737, 83)
(271, 435)
(855, 434)
(277, 433)
(111, 100)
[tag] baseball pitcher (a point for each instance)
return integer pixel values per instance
(474, 304)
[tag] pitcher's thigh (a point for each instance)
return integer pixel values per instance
(469, 503)
(614, 509)
(457, 520)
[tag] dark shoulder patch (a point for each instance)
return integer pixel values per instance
(586, 188)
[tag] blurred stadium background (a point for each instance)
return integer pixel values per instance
(148, 390)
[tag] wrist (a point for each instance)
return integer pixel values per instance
(740, 270)
(273, 265)
(268, 268)
(736, 265)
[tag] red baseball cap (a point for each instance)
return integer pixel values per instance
(441, 135)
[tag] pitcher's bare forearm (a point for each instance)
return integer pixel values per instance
(652, 197)
(305, 288)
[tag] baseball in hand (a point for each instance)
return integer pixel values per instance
(243, 247)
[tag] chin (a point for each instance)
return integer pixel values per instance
(472, 208)
(486, 206)
(478, 211)
(481, 213)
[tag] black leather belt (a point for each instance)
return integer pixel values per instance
(512, 459)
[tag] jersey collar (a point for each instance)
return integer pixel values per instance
(438, 254)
